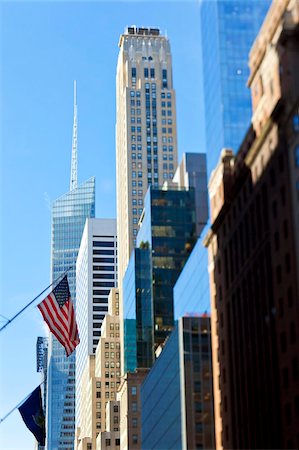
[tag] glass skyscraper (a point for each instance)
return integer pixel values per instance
(165, 241)
(69, 213)
(228, 29)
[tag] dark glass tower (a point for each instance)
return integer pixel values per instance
(165, 240)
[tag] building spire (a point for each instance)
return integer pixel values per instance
(74, 175)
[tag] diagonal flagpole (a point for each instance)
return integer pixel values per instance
(32, 301)
(18, 405)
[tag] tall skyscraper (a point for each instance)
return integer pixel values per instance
(228, 29)
(69, 213)
(96, 275)
(146, 138)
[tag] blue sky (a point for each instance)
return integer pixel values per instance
(44, 47)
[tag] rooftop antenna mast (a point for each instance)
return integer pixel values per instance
(74, 175)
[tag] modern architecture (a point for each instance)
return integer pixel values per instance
(228, 29)
(177, 394)
(69, 213)
(96, 274)
(165, 240)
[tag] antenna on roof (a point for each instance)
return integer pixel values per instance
(74, 174)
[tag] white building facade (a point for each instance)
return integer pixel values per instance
(96, 274)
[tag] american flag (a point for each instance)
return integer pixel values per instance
(58, 312)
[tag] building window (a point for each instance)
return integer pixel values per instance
(134, 390)
(134, 422)
(108, 442)
(134, 406)
(135, 439)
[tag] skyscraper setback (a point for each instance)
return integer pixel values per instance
(69, 213)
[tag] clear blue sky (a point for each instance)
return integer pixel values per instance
(44, 47)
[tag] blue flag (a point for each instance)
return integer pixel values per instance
(33, 415)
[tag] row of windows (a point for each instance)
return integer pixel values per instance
(100, 308)
(103, 244)
(112, 355)
(137, 93)
(104, 268)
(112, 345)
(134, 211)
(103, 284)
(112, 374)
(101, 292)
(138, 119)
(108, 276)
(103, 252)
(134, 202)
(103, 260)
(112, 364)
(140, 192)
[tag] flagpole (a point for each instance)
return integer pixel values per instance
(18, 405)
(32, 301)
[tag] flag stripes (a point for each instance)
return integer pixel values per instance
(60, 317)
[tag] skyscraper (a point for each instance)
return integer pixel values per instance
(165, 240)
(69, 213)
(96, 274)
(146, 141)
(228, 29)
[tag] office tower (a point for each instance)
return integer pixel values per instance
(96, 274)
(100, 380)
(228, 28)
(165, 240)
(146, 141)
(177, 394)
(69, 213)
(253, 253)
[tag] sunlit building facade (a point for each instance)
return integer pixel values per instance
(69, 214)
(228, 29)
(96, 275)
